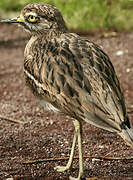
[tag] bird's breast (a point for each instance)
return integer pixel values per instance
(29, 45)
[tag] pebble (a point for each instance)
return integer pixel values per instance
(119, 53)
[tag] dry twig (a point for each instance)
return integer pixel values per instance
(11, 119)
(76, 157)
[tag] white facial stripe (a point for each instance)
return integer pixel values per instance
(31, 13)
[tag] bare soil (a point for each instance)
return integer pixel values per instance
(47, 135)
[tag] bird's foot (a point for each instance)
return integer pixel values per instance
(73, 178)
(61, 168)
(64, 168)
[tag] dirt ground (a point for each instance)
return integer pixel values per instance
(47, 135)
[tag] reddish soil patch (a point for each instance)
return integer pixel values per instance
(47, 135)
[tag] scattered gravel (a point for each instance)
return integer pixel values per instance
(47, 135)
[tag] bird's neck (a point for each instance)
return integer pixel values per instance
(54, 33)
(50, 34)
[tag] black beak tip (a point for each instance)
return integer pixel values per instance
(5, 21)
(9, 21)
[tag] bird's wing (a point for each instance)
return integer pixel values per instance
(106, 94)
(84, 83)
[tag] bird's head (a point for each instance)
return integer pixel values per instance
(39, 18)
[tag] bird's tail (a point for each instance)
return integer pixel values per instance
(127, 135)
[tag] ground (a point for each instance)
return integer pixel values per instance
(47, 135)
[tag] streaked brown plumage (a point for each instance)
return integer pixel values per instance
(71, 75)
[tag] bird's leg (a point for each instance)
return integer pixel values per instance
(78, 132)
(69, 163)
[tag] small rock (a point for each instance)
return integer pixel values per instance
(128, 70)
(119, 53)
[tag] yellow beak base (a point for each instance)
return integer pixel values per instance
(13, 20)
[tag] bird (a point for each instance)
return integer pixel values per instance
(71, 75)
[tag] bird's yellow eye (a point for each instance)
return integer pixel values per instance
(32, 19)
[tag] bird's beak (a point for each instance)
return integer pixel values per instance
(17, 20)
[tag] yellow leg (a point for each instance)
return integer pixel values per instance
(77, 133)
(64, 168)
